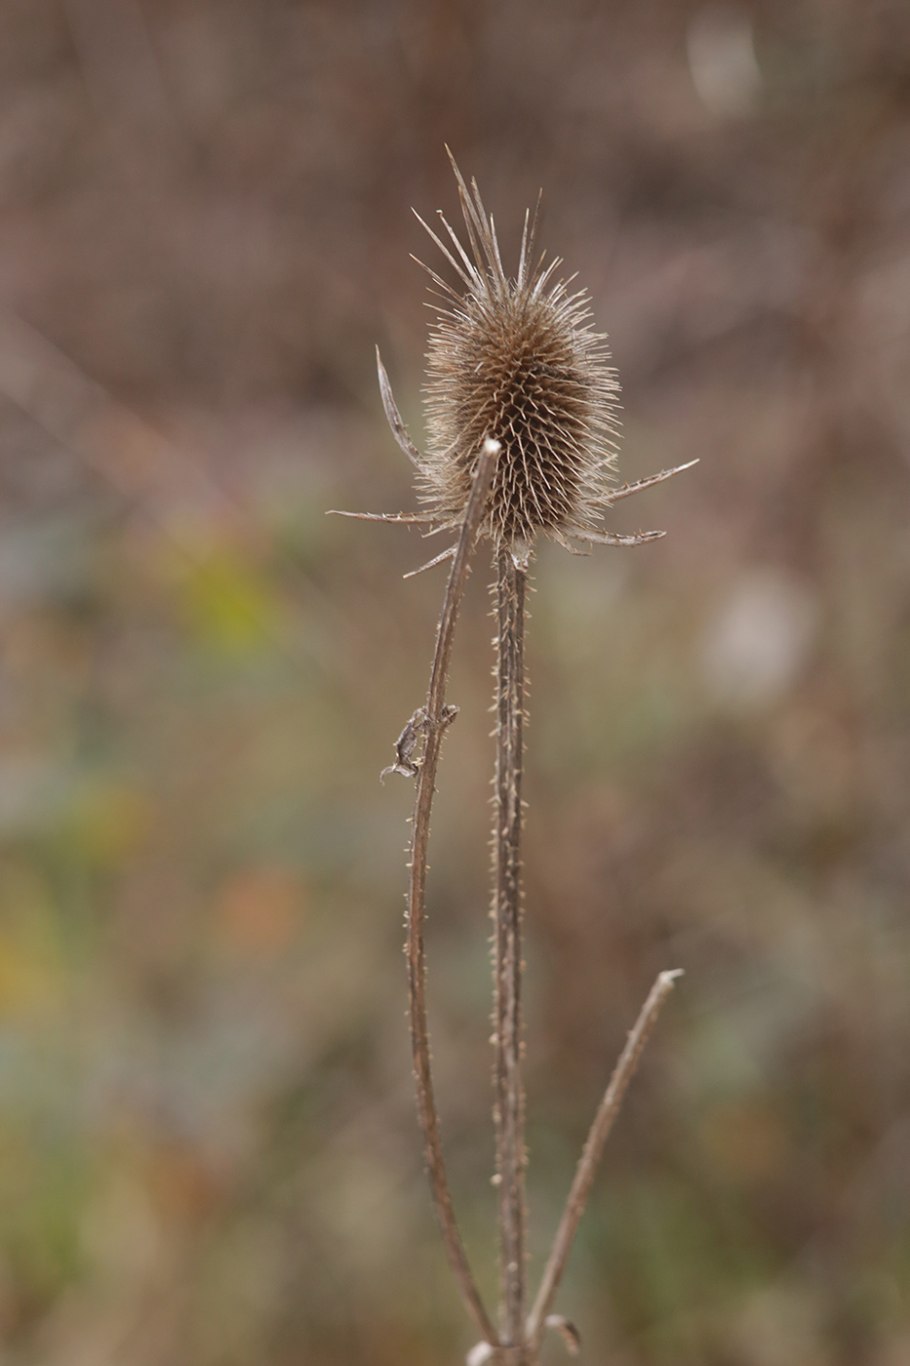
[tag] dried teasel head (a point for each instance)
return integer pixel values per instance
(516, 358)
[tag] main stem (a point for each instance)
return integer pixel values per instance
(509, 1105)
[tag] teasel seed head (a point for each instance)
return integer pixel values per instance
(514, 366)
(516, 358)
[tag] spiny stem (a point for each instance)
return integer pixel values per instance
(509, 1103)
(589, 1161)
(434, 725)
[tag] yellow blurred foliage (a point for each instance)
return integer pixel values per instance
(227, 602)
(109, 821)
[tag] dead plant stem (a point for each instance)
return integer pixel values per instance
(433, 723)
(509, 1103)
(589, 1161)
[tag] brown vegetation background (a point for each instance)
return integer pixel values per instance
(208, 1153)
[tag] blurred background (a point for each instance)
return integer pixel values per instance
(208, 1151)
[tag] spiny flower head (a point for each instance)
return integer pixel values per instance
(517, 359)
(514, 367)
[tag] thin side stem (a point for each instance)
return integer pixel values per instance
(593, 1151)
(509, 1104)
(433, 724)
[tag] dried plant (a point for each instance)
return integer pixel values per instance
(522, 419)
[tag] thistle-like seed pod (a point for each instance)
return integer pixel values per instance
(516, 358)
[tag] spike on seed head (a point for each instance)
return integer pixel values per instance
(516, 358)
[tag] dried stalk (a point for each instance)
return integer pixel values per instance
(433, 722)
(509, 1105)
(593, 1151)
(516, 357)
